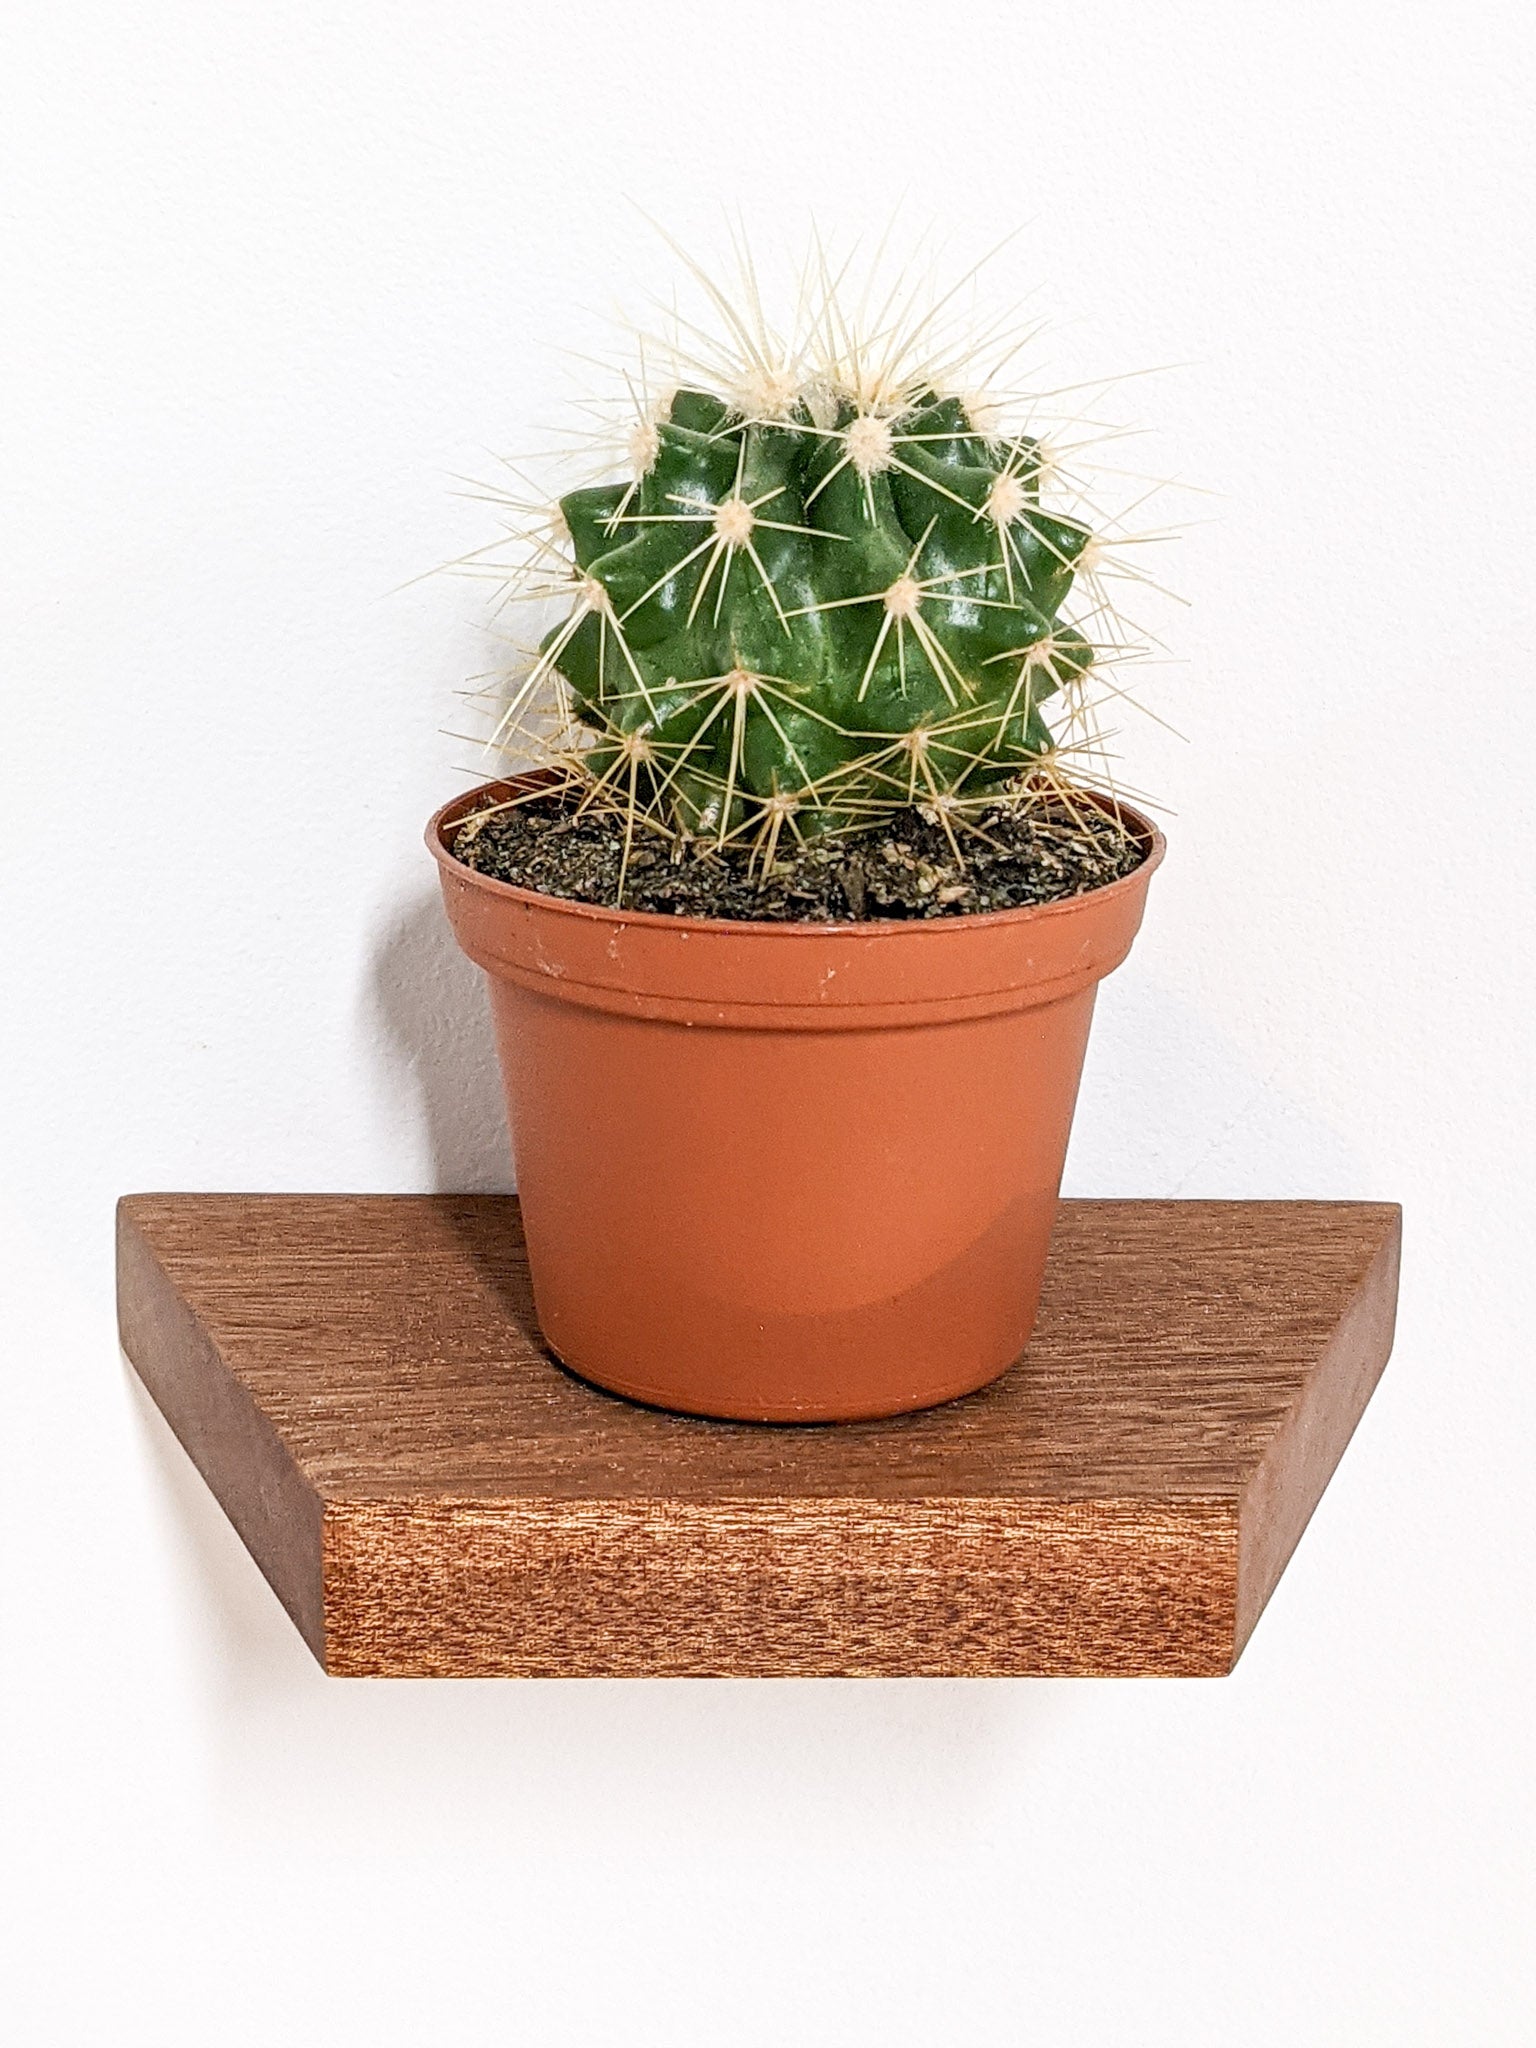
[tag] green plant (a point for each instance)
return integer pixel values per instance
(832, 586)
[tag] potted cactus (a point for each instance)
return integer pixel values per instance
(794, 916)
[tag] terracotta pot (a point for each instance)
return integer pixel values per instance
(787, 1172)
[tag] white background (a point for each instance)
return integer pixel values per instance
(271, 274)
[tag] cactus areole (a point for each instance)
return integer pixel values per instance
(797, 1171)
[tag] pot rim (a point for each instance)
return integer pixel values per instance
(452, 813)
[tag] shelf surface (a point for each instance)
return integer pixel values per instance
(361, 1382)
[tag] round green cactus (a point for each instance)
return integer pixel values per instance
(821, 595)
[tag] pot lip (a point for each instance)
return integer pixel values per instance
(450, 814)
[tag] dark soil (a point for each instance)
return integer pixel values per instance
(905, 869)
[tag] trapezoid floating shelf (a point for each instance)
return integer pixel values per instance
(361, 1382)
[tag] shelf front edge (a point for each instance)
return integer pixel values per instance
(798, 1587)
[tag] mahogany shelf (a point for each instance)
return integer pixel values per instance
(361, 1382)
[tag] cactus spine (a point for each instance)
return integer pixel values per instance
(827, 590)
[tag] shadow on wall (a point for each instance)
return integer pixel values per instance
(437, 1049)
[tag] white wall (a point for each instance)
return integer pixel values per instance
(272, 273)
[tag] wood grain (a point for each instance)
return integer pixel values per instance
(360, 1381)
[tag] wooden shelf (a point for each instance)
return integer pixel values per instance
(361, 1382)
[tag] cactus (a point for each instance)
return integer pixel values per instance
(826, 591)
